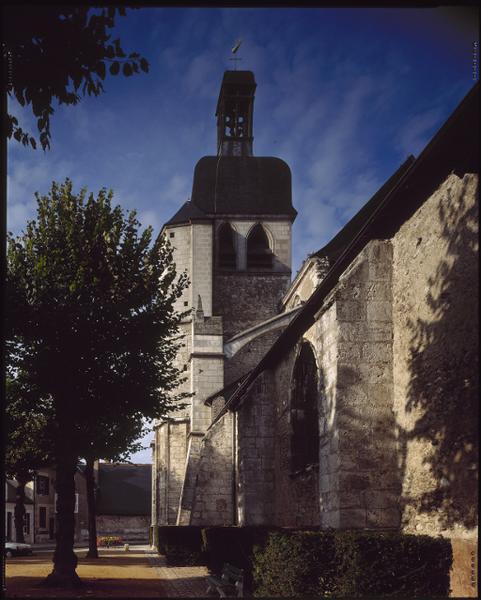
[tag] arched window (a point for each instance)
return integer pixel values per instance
(259, 254)
(304, 411)
(227, 258)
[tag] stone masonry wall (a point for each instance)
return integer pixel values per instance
(296, 498)
(255, 454)
(201, 248)
(129, 528)
(436, 395)
(357, 481)
(249, 355)
(213, 488)
(245, 299)
(368, 473)
(180, 238)
(310, 498)
(172, 451)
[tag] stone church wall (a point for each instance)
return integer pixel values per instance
(249, 355)
(296, 498)
(255, 454)
(435, 292)
(180, 239)
(171, 455)
(244, 300)
(213, 488)
(357, 482)
(368, 475)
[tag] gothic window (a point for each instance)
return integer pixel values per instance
(259, 254)
(304, 411)
(227, 257)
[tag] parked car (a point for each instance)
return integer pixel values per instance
(16, 549)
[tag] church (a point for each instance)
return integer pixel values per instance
(343, 398)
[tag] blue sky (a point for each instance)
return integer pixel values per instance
(343, 96)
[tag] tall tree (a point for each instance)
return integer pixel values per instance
(91, 299)
(54, 52)
(27, 445)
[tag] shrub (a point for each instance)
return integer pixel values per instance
(181, 545)
(374, 563)
(295, 564)
(352, 563)
(233, 545)
(109, 540)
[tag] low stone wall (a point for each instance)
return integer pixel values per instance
(128, 527)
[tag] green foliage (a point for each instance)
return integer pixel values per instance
(352, 564)
(295, 564)
(393, 564)
(182, 546)
(54, 51)
(27, 440)
(90, 318)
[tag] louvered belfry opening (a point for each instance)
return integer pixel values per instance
(259, 254)
(227, 256)
(304, 411)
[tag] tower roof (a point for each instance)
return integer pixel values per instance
(186, 213)
(236, 79)
(248, 185)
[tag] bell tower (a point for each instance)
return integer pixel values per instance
(235, 114)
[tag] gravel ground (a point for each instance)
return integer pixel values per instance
(138, 573)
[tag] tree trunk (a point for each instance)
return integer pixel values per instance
(19, 512)
(92, 511)
(64, 558)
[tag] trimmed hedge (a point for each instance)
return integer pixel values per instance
(352, 563)
(234, 545)
(182, 545)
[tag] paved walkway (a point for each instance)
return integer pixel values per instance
(179, 582)
(139, 573)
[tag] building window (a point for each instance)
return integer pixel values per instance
(259, 254)
(42, 485)
(172, 234)
(227, 256)
(42, 517)
(304, 411)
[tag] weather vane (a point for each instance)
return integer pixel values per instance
(234, 50)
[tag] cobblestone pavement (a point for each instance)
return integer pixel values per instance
(139, 573)
(179, 582)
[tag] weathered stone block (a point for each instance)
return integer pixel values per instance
(351, 310)
(379, 311)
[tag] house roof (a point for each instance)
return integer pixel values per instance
(124, 489)
(250, 185)
(453, 149)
